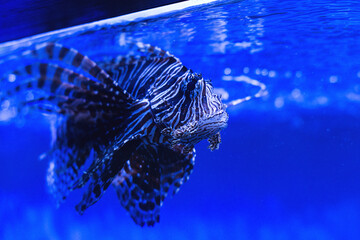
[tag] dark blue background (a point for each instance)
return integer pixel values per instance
(283, 171)
(23, 18)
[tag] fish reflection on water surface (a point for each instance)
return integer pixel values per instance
(130, 121)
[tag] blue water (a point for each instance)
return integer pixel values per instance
(289, 163)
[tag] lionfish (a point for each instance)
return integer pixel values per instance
(134, 119)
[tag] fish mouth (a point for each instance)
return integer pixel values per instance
(219, 119)
(195, 131)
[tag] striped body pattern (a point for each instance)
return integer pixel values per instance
(129, 121)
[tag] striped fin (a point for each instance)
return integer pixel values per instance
(138, 186)
(112, 148)
(138, 75)
(124, 138)
(100, 176)
(151, 51)
(93, 108)
(63, 88)
(69, 56)
(139, 49)
(74, 101)
(132, 128)
(176, 166)
(144, 66)
(72, 57)
(147, 178)
(56, 74)
(69, 106)
(67, 157)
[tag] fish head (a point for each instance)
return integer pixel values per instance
(197, 114)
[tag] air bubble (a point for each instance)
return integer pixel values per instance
(272, 74)
(264, 72)
(296, 94)
(353, 96)
(279, 102)
(227, 71)
(333, 79)
(322, 100)
(11, 78)
(5, 104)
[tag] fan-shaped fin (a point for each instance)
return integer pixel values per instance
(123, 139)
(67, 157)
(49, 77)
(137, 71)
(99, 116)
(137, 76)
(101, 175)
(60, 90)
(69, 56)
(148, 176)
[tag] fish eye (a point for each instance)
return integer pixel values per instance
(192, 81)
(191, 85)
